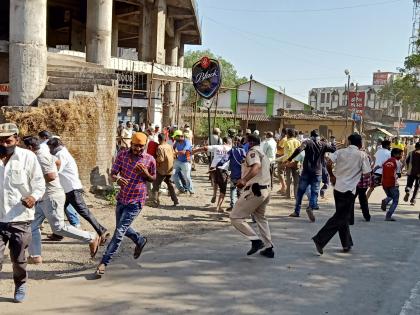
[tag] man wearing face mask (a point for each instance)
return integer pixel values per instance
(21, 186)
(311, 171)
(131, 170)
(70, 181)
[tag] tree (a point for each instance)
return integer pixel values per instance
(405, 89)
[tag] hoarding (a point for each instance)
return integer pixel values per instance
(381, 78)
(206, 77)
(357, 102)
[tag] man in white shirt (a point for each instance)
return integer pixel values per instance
(126, 135)
(219, 175)
(21, 186)
(350, 164)
(383, 154)
(69, 179)
(51, 206)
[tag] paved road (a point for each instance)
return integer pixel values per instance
(210, 274)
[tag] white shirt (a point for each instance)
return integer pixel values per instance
(219, 152)
(269, 148)
(21, 177)
(68, 172)
(48, 166)
(350, 164)
(380, 157)
(44, 145)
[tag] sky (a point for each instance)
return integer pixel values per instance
(299, 45)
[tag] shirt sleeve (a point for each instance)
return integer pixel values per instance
(253, 158)
(116, 167)
(37, 181)
(212, 148)
(333, 157)
(366, 169)
(152, 167)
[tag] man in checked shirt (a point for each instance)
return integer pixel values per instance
(131, 170)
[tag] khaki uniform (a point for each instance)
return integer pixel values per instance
(249, 203)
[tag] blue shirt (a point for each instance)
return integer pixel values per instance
(236, 156)
(184, 146)
(246, 147)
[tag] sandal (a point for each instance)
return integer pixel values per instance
(100, 270)
(104, 238)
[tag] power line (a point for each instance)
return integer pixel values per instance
(297, 44)
(306, 10)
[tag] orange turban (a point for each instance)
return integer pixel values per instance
(139, 138)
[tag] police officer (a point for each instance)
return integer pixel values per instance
(254, 199)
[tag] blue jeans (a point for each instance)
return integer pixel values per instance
(72, 216)
(234, 192)
(392, 194)
(182, 176)
(304, 181)
(125, 215)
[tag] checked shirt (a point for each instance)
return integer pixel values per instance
(124, 165)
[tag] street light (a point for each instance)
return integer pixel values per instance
(347, 73)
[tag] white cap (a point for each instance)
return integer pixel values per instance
(256, 132)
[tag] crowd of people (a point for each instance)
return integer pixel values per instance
(39, 180)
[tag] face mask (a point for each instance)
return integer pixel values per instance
(7, 150)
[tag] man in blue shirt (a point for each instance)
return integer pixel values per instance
(236, 156)
(182, 164)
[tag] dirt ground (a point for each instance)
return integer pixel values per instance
(194, 216)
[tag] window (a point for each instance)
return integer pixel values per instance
(322, 97)
(288, 104)
(328, 97)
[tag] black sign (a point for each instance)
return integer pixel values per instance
(206, 77)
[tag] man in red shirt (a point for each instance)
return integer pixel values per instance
(391, 171)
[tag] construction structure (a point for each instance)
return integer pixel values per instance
(67, 53)
(414, 45)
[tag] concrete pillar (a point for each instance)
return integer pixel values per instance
(98, 31)
(181, 55)
(169, 111)
(114, 38)
(152, 33)
(27, 50)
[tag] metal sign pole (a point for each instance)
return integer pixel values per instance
(249, 101)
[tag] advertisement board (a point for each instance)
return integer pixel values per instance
(357, 102)
(206, 77)
(380, 78)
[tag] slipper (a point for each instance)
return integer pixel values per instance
(100, 270)
(139, 249)
(94, 246)
(104, 238)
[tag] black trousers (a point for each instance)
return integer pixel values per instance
(364, 204)
(167, 179)
(19, 236)
(75, 198)
(412, 180)
(339, 222)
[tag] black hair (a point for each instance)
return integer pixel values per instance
(54, 142)
(254, 139)
(355, 139)
(45, 134)
(225, 140)
(314, 133)
(161, 137)
(386, 143)
(284, 130)
(396, 151)
(32, 141)
(417, 146)
(290, 132)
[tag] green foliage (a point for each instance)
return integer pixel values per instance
(221, 122)
(111, 196)
(405, 89)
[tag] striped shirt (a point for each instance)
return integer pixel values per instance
(124, 165)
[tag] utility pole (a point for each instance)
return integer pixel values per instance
(249, 101)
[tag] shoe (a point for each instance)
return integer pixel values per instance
(367, 219)
(191, 193)
(315, 208)
(310, 214)
(406, 196)
(412, 202)
(176, 203)
(294, 215)
(94, 246)
(318, 248)
(346, 249)
(268, 252)
(54, 237)
(390, 219)
(20, 293)
(181, 192)
(229, 209)
(100, 270)
(213, 200)
(139, 248)
(255, 247)
(34, 260)
(383, 205)
(104, 238)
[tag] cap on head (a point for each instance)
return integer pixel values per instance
(248, 131)
(178, 133)
(256, 132)
(139, 138)
(269, 134)
(8, 129)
